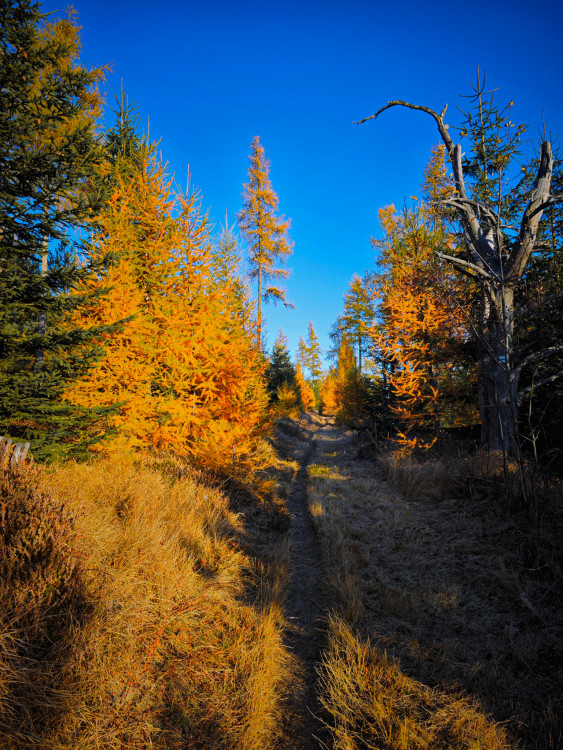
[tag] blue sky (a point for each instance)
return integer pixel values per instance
(212, 74)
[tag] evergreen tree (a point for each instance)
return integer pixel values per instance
(123, 152)
(265, 232)
(280, 370)
(314, 352)
(356, 318)
(49, 154)
(302, 356)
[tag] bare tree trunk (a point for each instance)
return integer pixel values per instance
(497, 273)
(496, 390)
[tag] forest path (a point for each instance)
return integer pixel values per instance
(303, 603)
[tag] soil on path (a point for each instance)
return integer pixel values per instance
(303, 605)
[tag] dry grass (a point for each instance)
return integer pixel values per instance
(420, 480)
(373, 704)
(434, 576)
(133, 631)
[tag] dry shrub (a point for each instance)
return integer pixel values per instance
(419, 480)
(42, 603)
(372, 704)
(153, 645)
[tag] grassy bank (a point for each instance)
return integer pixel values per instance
(123, 615)
(441, 629)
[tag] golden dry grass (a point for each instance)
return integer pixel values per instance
(396, 585)
(372, 704)
(139, 636)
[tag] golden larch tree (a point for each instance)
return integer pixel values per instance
(420, 327)
(265, 232)
(184, 368)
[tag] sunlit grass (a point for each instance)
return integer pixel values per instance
(373, 704)
(365, 524)
(141, 637)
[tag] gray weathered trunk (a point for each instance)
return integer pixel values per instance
(497, 271)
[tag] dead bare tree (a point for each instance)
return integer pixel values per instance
(496, 260)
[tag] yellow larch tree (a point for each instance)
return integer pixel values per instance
(420, 330)
(328, 393)
(265, 232)
(184, 367)
(304, 389)
(348, 392)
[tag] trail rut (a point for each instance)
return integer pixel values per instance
(304, 730)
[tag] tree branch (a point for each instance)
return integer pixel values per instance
(544, 381)
(461, 204)
(454, 153)
(531, 218)
(551, 201)
(464, 266)
(535, 357)
(438, 117)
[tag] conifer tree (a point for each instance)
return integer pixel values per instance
(265, 232)
(356, 318)
(280, 370)
(184, 370)
(302, 356)
(306, 393)
(309, 354)
(314, 352)
(419, 330)
(347, 391)
(49, 153)
(328, 393)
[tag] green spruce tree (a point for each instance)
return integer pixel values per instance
(49, 155)
(281, 369)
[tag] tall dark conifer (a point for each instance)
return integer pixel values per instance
(48, 154)
(281, 369)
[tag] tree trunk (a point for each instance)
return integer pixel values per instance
(496, 393)
(259, 316)
(497, 273)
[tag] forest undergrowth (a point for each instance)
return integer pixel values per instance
(133, 614)
(445, 625)
(144, 604)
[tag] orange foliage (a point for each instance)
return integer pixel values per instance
(266, 233)
(287, 403)
(420, 326)
(328, 394)
(306, 393)
(348, 391)
(184, 366)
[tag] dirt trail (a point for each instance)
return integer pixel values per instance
(303, 730)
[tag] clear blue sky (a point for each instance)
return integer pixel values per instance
(211, 74)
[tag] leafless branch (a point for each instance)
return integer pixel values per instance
(535, 357)
(544, 381)
(464, 266)
(462, 203)
(471, 224)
